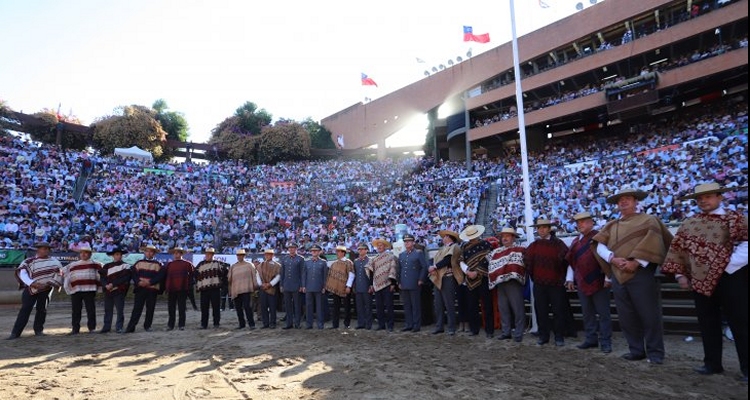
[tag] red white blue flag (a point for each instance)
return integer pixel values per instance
(469, 36)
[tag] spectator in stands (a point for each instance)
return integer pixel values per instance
(714, 266)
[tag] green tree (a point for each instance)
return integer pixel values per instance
(251, 120)
(287, 141)
(172, 122)
(320, 137)
(128, 126)
(231, 141)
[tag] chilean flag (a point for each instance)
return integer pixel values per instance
(469, 36)
(367, 81)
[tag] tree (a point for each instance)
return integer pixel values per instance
(288, 141)
(172, 122)
(251, 120)
(132, 125)
(230, 142)
(320, 137)
(237, 137)
(45, 129)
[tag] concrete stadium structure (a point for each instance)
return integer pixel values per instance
(609, 46)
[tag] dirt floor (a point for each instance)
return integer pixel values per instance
(335, 364)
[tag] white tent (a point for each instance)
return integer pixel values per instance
(134, 152)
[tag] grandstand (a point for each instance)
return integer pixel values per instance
(596, 71)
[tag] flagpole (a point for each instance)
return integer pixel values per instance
(528, 216)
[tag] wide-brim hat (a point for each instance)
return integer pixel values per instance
(117, 249)
(708, 188)
(240, 252)
(342, 248)
(210, 250)
(176, 250)
(387, 244)
(269, 251)
(150, 247)
(583, 215)
(83, 248)
(543, 222)
(446, 232)
(42, 244)
(472, 232)
(627, 191)
(510, 231)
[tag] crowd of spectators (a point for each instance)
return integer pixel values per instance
(589, 89)
(666, 159)
(233, 205)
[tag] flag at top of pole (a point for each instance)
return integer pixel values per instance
(469, 36)
(367, 81)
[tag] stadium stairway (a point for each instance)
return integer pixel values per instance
(487, 205)
(81, 181)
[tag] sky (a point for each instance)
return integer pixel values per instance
(295, 59)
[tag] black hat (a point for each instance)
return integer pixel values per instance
(408, 237)
(117, 249)
(316, 247)
(291, 244)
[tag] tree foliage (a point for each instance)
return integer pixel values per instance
(132, 125)
(173, 122)
(320, 137)
(231, 143)
(238, 136)
(286, 141)
(251, 120)
(46, 130)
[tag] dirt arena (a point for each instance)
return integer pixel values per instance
(334, 364)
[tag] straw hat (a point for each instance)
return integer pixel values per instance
(627, 191)
(707, 188)
(543, 222)
(210, 250)
(455, 235)
(269, 251)
(510, 231)
(150, 247)
(240, 252)
(582, 215)
(471, 232)
(342, 248)
(86, 247)
(387, 244)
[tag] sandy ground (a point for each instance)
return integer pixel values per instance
(334, 364)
